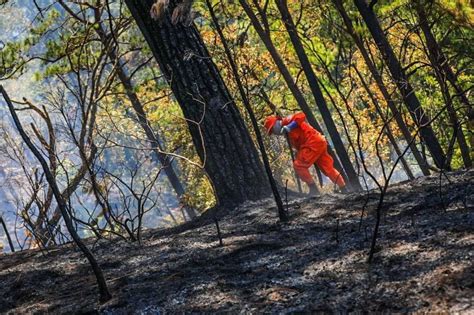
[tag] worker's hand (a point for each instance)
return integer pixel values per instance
(286, 129)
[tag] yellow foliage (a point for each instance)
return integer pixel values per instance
(461, 10)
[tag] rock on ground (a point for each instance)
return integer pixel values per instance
(315, 262)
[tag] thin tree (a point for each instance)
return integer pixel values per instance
(10, 243)
(388, 130)
(420, 117)
(275, 110)
(317, 93)
(382, 87)
(62, 204)
(264, 34)
(444, 73)
(281, 211)
(444, 64)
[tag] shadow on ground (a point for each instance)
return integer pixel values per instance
(315, 262)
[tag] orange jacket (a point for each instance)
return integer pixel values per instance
(303, 136)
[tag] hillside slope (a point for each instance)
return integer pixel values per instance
(315, 262)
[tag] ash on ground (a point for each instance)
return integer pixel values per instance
(315, 262)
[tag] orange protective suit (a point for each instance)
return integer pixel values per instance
(312, 149)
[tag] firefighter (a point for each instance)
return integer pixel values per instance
(311, 146)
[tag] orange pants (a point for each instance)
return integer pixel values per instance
(318, 155)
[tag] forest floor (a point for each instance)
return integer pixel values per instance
(315, 262)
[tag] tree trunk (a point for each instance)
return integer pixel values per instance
(388, 130)
(443, 63)
(218, 131)
(66, 194)
(265, 37)
(410, 99)
(383, 89)
(317, 94)
(442, 72)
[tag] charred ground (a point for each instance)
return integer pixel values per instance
(315, 262)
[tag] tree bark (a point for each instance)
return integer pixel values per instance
(410, 99)
(218, 131)
(317, 93)
(383, 89)
(443, 72)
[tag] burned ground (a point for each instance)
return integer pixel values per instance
(315, 262)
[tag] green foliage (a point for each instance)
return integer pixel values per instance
(462, 11)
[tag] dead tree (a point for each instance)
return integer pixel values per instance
(85, 89)
(62, 204)
(136, 195)
(75, 104)
(36, 212)
(382, 185)
(383, 191)
(38, 227)
(109, 40)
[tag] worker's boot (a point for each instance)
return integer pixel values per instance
(313, 190)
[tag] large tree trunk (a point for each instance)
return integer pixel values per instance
(383, 89)
(317, 93)
(218, 131)
(410, 99)
(443, 73)
(298, 95)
